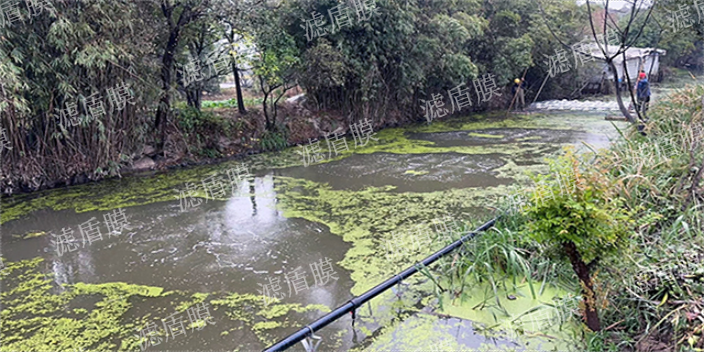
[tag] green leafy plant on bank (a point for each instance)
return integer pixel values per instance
(657, 286)
(504, 262)
(576, 208)
(230, 103)
(276, 139)
(190, 120)
(201, 129)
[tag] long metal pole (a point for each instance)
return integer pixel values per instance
(354, 303)
(516, 94)
(541, 88)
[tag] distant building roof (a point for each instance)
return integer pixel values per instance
(595, 51)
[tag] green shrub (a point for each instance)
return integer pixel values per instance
(276, 139)
(190, 120)
(201, 130)
(576, 207)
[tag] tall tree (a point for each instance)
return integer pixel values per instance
(237, 17)
(64, 72)
(275, 65)
(202, 66)
(178, 14)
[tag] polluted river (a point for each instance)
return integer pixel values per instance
(159, 258)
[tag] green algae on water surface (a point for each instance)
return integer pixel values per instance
(98, 317)
(36, 320)
(32, 235)
(371, 217)
(262, 319)
(417, 333)
(484, 135)
(547, 321)
(163, 187)
(524, 321)
(416, 173)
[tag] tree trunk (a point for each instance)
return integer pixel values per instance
(617, 86)
(162, 113)
(199, 99)
(580, 268)
(266, 112)
(238, 88)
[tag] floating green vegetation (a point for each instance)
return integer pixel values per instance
(373, 217)
(163, 187)
(370, 217)
(485, 135)
(416, 173)
(545, 319)
(34, 234)
(101, 317)
(34, 319)
(260, 318)
(426, 332)
(530, 138)
(417, 333)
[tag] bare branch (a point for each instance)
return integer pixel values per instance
(591, 24)
(547, 23)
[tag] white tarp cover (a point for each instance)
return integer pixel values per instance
(647, 58)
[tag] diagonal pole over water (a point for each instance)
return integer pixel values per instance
(356, 302)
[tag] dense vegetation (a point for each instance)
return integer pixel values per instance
(64, 61)
(629, 226)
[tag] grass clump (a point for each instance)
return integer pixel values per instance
(231, 103)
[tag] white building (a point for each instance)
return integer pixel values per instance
(637, 60)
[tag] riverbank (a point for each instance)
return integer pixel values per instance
(219, 133)
(649, 287)
(216, 134)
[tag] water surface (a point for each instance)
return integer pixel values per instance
(282, 221)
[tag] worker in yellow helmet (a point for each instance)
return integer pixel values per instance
(518, 92)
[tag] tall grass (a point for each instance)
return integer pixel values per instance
(658, 285)
(503, 259)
